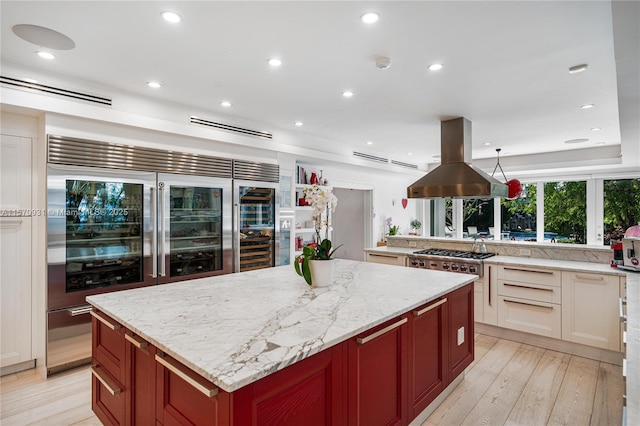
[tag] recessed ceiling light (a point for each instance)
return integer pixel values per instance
(579, 140)
(275, 62)
(436, 156)
(369, 142)
(600, 143)
(171, 17)
(45, 55)
(370, 17)
(486, 143)
(30, 80)
(578, 68)
(154, 84)
(587, 106)
(435, 67)
(347, 93)
(596, 129)
(409, 154)
(298, 123)
(225, 104)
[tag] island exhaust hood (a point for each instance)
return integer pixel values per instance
(455, 177)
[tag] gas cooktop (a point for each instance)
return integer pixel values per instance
(454, 253)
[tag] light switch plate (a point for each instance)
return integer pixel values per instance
(412, 244)
(460, 336)
(525, 252)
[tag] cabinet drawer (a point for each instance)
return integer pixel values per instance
(530, 275)
(536, 292)
(108, 397)
(108, 345)
(530, 316)
(386, 258)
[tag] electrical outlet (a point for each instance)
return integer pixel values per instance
(460, 336)
(413, 244)
(525, 252)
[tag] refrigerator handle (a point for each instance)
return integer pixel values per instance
(236, 243)
(154, 234)
(163, 267)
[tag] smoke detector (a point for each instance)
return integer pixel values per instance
(383, 62)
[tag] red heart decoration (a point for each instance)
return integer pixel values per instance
(404, 203)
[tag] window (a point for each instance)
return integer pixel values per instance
(519, 216)
(621, 207)
(565, 212)
(478, 218)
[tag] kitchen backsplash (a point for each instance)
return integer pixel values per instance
(578, 253)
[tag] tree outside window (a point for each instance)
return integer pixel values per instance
(621, 207)
(519, 215)
(565, 212)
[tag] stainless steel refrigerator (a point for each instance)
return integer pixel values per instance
(122, 217)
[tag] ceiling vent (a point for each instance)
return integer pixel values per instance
(43, 88)
(229, 128)
(407, 165)
(370, 157)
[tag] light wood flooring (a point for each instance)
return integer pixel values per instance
(508, 383)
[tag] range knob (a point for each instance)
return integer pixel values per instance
(473, 269)
(422, 264)
(414, 263)
(445, 265)
(454, 266)
(463, 268)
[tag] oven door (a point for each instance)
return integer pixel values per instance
(99, 229)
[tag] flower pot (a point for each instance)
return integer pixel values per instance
(321, 272)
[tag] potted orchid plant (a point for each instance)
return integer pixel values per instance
(322, 202)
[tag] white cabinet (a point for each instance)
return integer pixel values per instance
(386, 258)
(490, 295)
(590, 309)
(478, 300)
(15, 250)
(529, 300)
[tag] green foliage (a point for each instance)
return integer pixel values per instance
(416, 224)
(621, 207)
(394, 230)
(565, 209)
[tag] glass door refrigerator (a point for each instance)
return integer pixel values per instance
(121, 217)
(257, 225)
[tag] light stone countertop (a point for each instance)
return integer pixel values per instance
(235, 329)
(567, 265)
(633, 348)
(391, 250)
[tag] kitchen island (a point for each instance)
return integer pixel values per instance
(378, 345)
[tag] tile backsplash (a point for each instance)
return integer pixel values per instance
(557, 251)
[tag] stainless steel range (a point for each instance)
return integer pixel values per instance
(465, 262)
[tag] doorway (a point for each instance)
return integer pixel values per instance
(351, 220)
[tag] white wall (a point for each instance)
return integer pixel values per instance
(349, 223)
(388, 190)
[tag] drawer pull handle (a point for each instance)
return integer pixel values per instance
(528, 304)
(105, 321)
(528, 270)
(80, 310)
(113, 390)
(621, 303)
(590, 277)
(430, 307)
(383, 255)
(363, 340)
(136, 341)
(624, 368)
(528, 286)
(186, 377)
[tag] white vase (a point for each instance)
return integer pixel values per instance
(321, 272)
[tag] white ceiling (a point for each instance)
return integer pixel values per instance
(505, 67)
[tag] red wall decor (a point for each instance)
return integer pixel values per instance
(404, 203)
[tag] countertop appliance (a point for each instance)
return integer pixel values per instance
(465, 262)
(631, 249)
(121, 217)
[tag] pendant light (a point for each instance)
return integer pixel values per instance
(514, 187)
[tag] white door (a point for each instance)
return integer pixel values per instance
(15, 250)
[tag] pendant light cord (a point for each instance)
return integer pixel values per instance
(498, 165)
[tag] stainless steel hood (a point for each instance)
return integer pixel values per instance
(455, 177)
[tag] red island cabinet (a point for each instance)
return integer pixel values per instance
(108, 368)
(384, 376)
(377, 374)
(461, 331)
(428, 354)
